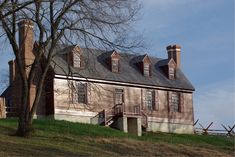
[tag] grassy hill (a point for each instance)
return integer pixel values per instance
(60, 138)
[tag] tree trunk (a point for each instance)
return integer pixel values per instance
(25, 128)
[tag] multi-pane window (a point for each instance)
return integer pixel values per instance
(78, 92)
(119, 96)
(146, 69)
(150, 102)
(115, 66)
(175, 102)
(171, 73)
(76, 60)
(81, 92)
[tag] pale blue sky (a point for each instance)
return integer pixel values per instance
(205, 30)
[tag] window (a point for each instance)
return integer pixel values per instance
(146, 69)
(79, 93)
(119, 96)
(171, 73)
(175, 102)
(76, 60)
(115, 65)
(150, 96)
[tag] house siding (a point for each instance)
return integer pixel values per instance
(101, 96)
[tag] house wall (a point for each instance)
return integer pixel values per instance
(101, 96)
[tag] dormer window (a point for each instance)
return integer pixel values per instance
(74, 57)
(169, 69)
(115, 62)
(171, 73)
(76, 60)
(145, 65)
(115, 65)
(146, 69)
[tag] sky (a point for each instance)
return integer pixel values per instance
(205, 30)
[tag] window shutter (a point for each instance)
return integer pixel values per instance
(156, 104)
(153, 100)
(181, 109)
(74, 92)
(88, 92)
(143, 93)
(169, 101)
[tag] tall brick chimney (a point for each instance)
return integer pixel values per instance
(26, 41)
(174, 52)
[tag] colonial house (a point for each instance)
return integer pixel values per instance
(126, 91)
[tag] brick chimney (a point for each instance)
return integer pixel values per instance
(12, 71)
(26, 41)
(174, 52)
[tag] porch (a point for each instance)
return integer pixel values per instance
(129, 119)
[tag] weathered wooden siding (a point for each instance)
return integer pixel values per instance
(164, 115)
(101, 96)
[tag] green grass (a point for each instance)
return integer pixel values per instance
(61, 138)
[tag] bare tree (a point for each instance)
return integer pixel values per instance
(92, 23)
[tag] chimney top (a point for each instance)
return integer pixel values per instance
(174, 47)
(26, 22)
(174, 52)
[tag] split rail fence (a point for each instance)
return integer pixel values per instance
(225, 131)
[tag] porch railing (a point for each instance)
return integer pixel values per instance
(132, 110)
(121, 110)
(109, 114)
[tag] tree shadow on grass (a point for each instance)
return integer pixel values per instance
(27, 149)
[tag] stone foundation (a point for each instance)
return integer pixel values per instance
(171, 128)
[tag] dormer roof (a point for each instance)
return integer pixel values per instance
(146, 59)
(76, 49)
(114, 54)
(171, 62)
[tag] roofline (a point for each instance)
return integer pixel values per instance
(123, 83)
(4, 91)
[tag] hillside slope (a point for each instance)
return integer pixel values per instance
(60, 138)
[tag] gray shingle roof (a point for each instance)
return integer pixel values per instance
(96, 67)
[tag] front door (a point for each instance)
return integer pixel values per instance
(119, 100)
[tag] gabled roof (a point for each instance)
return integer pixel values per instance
(146, 59)
(171, 61)
(96, 67)
(165, 62)
(5, 93)
(115, 54)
